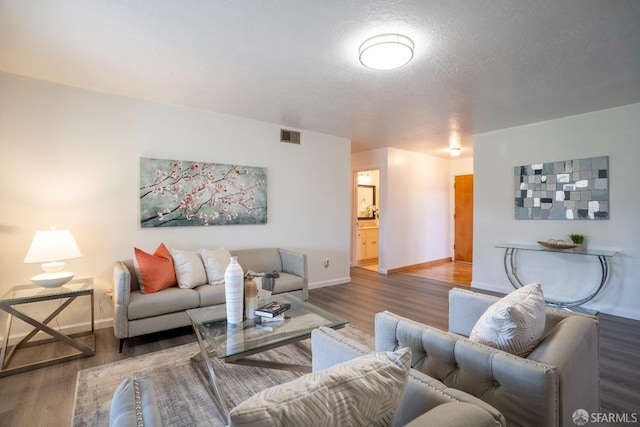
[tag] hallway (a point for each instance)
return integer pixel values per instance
(459, 273)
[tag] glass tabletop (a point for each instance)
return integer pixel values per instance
(235, 340)
(22, 294)
(540, 248)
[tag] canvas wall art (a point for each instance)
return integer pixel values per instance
(176, 193)
(564, 190)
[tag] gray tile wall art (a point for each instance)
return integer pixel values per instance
(569, 190)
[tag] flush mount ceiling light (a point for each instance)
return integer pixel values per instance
(386, 51)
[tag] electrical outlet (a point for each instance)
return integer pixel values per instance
(326, 263)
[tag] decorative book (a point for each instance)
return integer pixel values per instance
(272, 309)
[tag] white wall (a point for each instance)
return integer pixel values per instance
(415, 214)
(70, 157)
(612, 132)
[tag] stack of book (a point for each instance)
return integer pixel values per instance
(273, 311)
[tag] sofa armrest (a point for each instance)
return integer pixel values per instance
(296, 263)
(134, 403)
(456, 414)
(121, 293)
(330, 347)
(572, 346)
(465, 308)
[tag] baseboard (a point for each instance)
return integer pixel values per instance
(341, 281)
(420, 265)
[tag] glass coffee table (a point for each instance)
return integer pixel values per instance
(234, 343)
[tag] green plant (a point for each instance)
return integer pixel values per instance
(578, 239)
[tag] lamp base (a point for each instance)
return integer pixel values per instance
(52, 280)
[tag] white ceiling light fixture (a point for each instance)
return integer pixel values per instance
(455, 147)
(386, 51)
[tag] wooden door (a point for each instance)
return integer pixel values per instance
(463, 218)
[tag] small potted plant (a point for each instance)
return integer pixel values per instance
(578, 240)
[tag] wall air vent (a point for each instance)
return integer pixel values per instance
(290, 136)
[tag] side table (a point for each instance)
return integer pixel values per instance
(24, 294)
(511, 268)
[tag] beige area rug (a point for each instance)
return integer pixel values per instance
(184, 397)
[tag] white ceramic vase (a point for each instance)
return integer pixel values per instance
(234, 291)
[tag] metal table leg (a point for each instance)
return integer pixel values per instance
(511, 269)
(212, 375)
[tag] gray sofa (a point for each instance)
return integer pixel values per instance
(426, 401)
(558, 377)
(136, 313)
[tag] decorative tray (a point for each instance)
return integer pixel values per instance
(557, 244)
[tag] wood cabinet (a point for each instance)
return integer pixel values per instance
(367, 242)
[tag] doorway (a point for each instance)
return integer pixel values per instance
(463, 218)
(365, 248)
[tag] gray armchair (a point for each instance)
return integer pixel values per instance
(558, 377)
(426, 401)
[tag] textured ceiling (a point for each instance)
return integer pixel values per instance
(479, 65)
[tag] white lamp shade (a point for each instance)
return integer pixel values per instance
(386, 51)
(52, 245)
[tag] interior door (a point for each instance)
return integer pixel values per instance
(463, 218)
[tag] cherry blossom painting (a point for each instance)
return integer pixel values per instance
(176, 193)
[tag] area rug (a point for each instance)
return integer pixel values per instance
(184, 396)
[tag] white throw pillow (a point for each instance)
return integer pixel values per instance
(365, 391)
(515, 323)
(189, 269)
(215, 263)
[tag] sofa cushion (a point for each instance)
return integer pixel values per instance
(134, 403)
(168, 301)
(287, 283)
(515, 323)
(211, 294)
(156, 271)
(456, 414)
(215, 263)
(363, 391)
(190, 270)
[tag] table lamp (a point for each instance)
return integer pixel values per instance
(50, 247)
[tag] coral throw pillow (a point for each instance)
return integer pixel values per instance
(156, 271)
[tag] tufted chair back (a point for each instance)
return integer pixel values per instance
(544, 389)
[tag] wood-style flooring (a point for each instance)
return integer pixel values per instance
(44, 397)
(446, 271)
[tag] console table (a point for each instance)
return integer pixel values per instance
(24, 294)
(511, 268)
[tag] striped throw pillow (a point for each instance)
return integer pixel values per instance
(515, 323)
(365, 391)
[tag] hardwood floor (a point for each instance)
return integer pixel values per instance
(44, 397)
(447, 271)
(451, 272)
